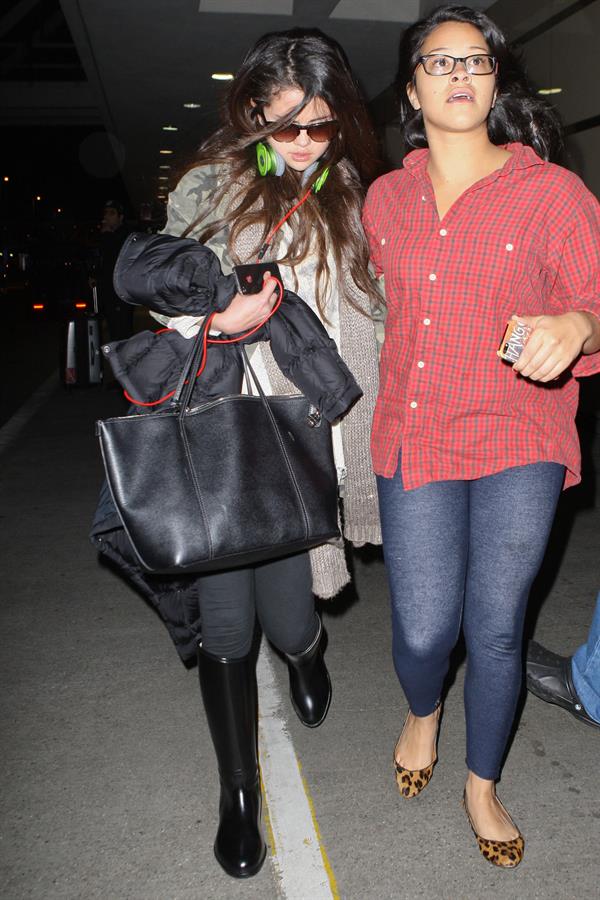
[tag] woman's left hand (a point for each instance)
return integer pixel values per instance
(553, 344)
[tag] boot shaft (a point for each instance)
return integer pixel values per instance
(229, 694)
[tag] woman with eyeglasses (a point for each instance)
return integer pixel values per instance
(283, 179)
(471, 450)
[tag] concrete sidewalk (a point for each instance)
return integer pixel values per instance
(109, 786)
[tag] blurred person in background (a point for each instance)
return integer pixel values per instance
(117, 314)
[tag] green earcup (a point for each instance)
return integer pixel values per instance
(266, 161)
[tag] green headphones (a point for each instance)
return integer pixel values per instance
(270, 162)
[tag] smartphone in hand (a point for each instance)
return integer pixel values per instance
(250, 277)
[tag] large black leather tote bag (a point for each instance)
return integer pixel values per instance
(227, 483)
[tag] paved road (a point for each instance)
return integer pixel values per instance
(108, 774)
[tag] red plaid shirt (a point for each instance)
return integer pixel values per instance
(525, 240)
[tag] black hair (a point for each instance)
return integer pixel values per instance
(518, 114)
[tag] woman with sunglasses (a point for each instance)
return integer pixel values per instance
(471, 451)
(282, 179)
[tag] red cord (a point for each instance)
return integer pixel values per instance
(256, 327)
(171, 393)
(131, 399)
(265, 246)
(207, 340)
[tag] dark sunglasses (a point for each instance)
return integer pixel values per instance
(318, 131)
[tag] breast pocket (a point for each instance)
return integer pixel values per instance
(501, 270)
(498, 257)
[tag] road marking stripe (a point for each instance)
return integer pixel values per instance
(11, 429)
(326, 863)
(299, 859)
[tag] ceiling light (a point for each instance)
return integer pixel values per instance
(165, 152)
(163, 177)
(164, 167)
(222, 76)
(550, 91)
(192, 105)
(170, 128)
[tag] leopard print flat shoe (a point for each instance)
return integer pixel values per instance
(411, 782)
(505, 854)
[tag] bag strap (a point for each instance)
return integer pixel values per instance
(192, 367)
(250, 375)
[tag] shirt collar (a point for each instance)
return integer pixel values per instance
(522, 157)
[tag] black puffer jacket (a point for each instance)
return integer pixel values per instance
(179, 276)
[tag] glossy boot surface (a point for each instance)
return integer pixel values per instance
(229, 694)
(310, 685)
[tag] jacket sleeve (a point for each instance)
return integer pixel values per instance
(193, 194)
(309, 358)
(173, 276)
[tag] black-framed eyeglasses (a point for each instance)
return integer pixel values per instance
(317, 131)
(442, 64)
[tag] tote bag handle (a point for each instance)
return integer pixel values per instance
(194, 364)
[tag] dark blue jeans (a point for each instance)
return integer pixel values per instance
(466, 551)
(586, 668)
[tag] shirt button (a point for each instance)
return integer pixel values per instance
(433, 277)
(413, 404)
(382, 242)
(509, 247)
(443, 232)
(420, 364)
(426, 321)
(423, 197)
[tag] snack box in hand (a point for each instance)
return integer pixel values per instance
(514, 340)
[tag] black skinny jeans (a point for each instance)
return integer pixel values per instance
(279, 592)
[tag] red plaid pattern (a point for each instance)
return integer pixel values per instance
(525, 240)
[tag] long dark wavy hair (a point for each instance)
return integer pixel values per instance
(518, 114)
(316, 64)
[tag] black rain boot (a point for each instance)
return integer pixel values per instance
(310, 686)
(229, 693)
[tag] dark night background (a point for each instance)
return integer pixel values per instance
(48, 245)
